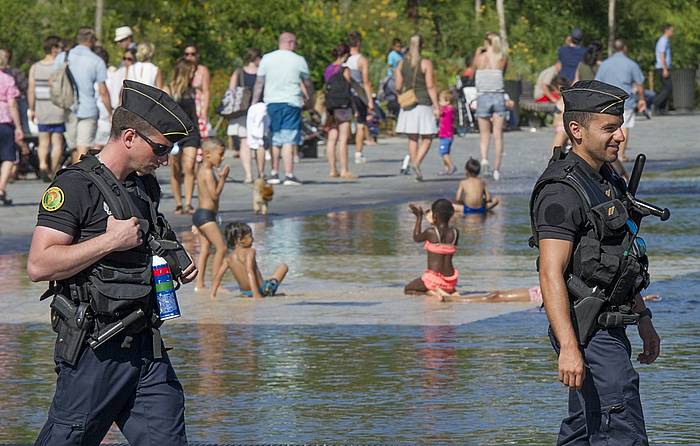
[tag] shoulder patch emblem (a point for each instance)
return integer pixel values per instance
(53, 199)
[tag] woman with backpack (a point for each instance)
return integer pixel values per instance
(244, 78)
(415, 79)
(339, 111)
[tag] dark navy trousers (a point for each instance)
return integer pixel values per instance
(607, 410)
(121, 385)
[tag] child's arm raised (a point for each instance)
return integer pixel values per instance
(222, 180)
(418, 234)
(251, 267)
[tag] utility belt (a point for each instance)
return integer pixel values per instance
(77, 325)
(591, 310)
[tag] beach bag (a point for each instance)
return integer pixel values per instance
(337, 90)
(235, 102)
(62, 89)
(408, 98)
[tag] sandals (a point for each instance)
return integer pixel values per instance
(188, 210)
(178, 210)
(4, 201)
(348, 176)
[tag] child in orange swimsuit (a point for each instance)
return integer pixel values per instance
(440, 241)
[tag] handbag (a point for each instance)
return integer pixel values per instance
(235, 102)
(408, 98)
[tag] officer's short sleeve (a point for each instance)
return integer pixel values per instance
(558, 212)
(65, 204)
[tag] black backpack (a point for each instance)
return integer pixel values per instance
(338, 93)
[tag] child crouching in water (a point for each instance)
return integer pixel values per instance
(472, 196)
(440, 279)
(244, 266)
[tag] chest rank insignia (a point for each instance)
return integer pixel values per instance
(53, 198)
(611, 211)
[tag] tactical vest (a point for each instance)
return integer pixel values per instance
(608, 255)
(120, 282)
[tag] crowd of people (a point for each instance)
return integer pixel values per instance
(280, 79)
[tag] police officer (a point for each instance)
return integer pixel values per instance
(97, 227)
(587, 241)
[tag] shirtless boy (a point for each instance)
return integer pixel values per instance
(244, 266)
(204, 218)
(472, 196)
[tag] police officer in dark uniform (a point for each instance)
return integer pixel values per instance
(97, 231)
(592, 267)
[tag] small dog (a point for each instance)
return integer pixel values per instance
(262, 195)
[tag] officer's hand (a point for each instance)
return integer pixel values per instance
(651, 340)
(126, 234)
(571, 367)
(189, 273)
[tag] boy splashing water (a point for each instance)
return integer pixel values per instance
(244, 266)
(204, 218)
(472, 196)
(440, 279)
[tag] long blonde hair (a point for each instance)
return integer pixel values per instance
(496, 45)
(414, 47)
(182, 77)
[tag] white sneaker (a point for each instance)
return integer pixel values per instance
(484, 167)
(496, 175)
(360, 158)
(274, 178)
(291, 180)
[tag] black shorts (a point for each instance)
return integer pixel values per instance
(8, 149)
(203, 216)
(192, 140)
(361, 111)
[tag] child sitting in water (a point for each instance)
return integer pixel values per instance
(204, 218)
(472, 196)
(440, 279)
(244, 267)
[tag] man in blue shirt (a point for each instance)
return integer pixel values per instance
(570, 55)
(624, 73)
(87, 69)
(663, 68)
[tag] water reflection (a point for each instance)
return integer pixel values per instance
(489, 382)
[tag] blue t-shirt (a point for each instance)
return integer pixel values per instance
(663, 46)
(87, 69)
(393, 60)
(622, 72)
(283, 70)
(570, 56)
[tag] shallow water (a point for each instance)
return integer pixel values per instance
(487, 382)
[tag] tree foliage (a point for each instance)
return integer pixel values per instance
(452, 29)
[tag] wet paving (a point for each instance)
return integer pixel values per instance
(345, 357)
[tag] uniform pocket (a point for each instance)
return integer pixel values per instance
(63, 428)
(616, 426)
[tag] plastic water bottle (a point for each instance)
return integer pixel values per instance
(165, 291)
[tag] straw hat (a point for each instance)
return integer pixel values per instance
(121, 33)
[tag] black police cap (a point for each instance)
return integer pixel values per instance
(594, 97)
(157, 108)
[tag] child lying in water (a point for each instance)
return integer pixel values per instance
(472, 196)
(440, 279)
(244, 267)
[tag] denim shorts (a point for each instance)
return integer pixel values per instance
(52, 128)
(285, 124)
(445, 146)
(488, 104)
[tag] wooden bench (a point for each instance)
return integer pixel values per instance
(539, 110)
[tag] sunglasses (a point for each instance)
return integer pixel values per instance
(158, 149)
(130, 59)
(190, 54)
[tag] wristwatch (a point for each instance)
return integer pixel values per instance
(644, 313)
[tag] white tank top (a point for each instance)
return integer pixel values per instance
(352, 63)
(144, 72)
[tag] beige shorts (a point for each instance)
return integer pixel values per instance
(80, 131)
(629, 118)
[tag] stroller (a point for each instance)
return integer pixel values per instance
(466, 122)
